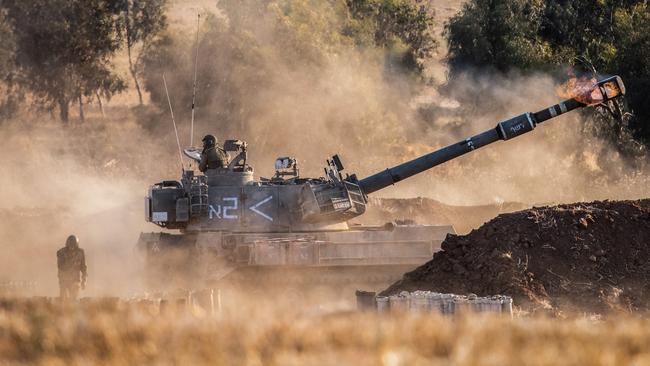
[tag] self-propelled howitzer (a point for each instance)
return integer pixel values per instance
(290, 229)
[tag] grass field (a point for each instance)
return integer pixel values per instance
(36, 332)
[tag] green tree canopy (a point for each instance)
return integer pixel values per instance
(397, 25)
(9, 96)
(498, 34)
(64, 48)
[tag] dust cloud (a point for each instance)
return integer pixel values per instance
(83, 180)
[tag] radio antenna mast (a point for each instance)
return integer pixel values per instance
(171, 110)
(196, 64)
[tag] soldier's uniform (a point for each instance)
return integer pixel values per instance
(213, 156)
(71, 262)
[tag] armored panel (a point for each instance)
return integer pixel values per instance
(389, 245)
(163, 203)
(224, 208)
(303, 253)
(386, 253)
(260, 208)
(182, 209)
(291, 251)
(225, 177)
(256, 209)
(288, 208)
(247, 208)
(331, 202)
(271, 253)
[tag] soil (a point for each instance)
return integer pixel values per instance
(586, 257)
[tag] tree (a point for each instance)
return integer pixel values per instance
(64, 48)
(142, 22)
(632, 61)
(10, 96)
(497, 34)
(397, 24)
(7, 48)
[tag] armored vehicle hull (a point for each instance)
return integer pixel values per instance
(365, 256)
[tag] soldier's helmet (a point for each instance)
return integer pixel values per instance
(209, 141)
(72, 242)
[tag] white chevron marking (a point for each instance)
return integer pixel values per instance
(260, 203)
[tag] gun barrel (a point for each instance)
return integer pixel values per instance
(505, 130)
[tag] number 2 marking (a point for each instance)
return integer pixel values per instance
(225, 211)
(233, 206)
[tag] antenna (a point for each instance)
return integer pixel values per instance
(196, 64)
(180, 155)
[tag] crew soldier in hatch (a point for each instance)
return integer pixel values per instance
(71, 262)
(212, 156)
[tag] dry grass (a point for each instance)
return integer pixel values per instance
(41, 333)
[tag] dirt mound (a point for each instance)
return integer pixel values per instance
(585, 257)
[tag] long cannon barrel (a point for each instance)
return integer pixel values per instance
(604, 90)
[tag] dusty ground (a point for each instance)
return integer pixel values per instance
(423, 210)
(585, 257)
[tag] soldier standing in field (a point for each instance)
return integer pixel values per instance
(212, 156)
(71, 263)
